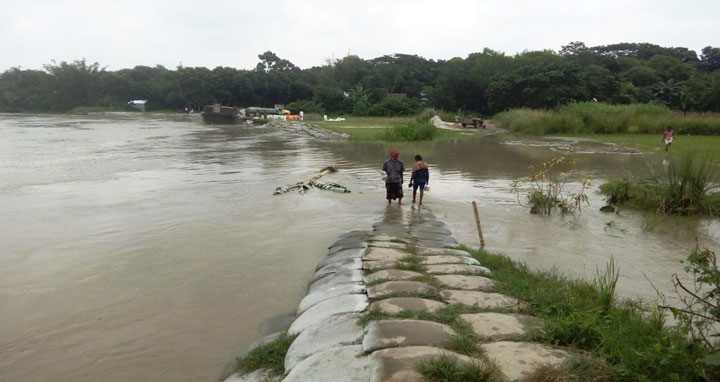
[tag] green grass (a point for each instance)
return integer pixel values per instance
(580, 313)
(701, 145)
(447, 368)
(689, 187)
(269, 356)
(601, 118)
(578, 368)
(373, 128)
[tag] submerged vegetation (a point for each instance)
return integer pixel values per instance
(546, 188)
(689, 187)
(632, 340)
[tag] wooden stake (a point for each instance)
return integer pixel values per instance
(477, 221)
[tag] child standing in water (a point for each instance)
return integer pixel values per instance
(668, 137)
(419, 178)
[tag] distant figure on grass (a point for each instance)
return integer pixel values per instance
(668, 137)
(420, 177)
(394, 169)
(457, 119)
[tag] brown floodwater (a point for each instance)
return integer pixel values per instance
(151, 248)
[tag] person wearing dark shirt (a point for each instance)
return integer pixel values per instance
(394, 169)
(419, 178)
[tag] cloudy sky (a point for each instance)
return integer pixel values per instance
(122, 34)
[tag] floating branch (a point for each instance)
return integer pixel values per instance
(302, 187)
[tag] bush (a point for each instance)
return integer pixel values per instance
(394, 107)
(418, 130)
(307, 106)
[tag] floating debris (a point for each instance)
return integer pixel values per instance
(302, 187)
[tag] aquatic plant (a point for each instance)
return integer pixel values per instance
(545, 189)
(688, 188)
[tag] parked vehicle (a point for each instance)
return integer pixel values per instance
(473, 122)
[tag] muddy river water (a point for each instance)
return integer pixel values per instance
(151, 248)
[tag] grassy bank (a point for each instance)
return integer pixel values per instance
(376, 129)
(601, 118)
(634, 341)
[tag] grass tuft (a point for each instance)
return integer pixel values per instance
(269, 356)
(580, 368)
(447, 368)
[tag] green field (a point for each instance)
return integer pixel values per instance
(372, 128)
(703, 146)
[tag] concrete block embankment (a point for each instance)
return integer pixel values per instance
(384, 301)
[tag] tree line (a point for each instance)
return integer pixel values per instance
(399, 84)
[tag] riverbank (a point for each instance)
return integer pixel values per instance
(396, 304)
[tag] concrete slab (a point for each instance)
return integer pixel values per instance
(435, 243)
(446, 269)
(260, 375)
(341, 256)
(337, 278)
(347, 244)
(344, 265)
(396, 333)
(349, 303)
(391, 274)
(400, 364)
(440, 251)
(374, 253)
(395, 305)
(393, 287)
(445, 259)
(328, 293)
(337, 330)
(345, 363)
(517, 360)
(356, 234)
(503, 326)
(465, 282)
(379, 264)
(388, 238)
(434, 236)
(388, 244)
(429, 228)
(479, 299)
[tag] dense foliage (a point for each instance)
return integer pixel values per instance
(603, 118)
(486, 82)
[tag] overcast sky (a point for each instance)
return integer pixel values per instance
(122, 34)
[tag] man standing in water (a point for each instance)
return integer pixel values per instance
(393, 169)
(668, 137)
(420, 177)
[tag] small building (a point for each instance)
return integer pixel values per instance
(138, 104)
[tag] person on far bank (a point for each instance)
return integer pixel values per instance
(394, 169)
(419, 178)
(668, 137)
